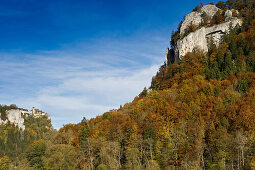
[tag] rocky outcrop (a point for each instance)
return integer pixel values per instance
(17, 116)
(196, 16)
(200, 39)
(170, 57)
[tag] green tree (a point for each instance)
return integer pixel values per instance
(110, 154)
(143, 93)
(84, 133)
(150, 132)
(60, 156)
(133, 159)
(250, 63)
(86, 143)
(35, 153)
(228, 65)
(243, 85)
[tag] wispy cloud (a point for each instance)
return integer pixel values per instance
(71, 83)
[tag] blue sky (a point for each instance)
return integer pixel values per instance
(76, 58)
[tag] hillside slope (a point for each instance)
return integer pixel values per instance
(199, 112)
(18, 129)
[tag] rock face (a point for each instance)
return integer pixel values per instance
(17, 116)
(170, 57)
(196, 16)
(202, 37)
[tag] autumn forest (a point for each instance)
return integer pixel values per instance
(199, 113)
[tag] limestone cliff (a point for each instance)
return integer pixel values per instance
(196, 16)
(17, 116)
(200, 38)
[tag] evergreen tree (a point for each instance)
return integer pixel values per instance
(143, 93)
(84, 133)
(35, 154)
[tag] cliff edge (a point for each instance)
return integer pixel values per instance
(206, 25)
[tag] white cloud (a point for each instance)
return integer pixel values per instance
(89, 96)
(69, 84)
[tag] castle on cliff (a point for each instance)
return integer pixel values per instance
(17, 116)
